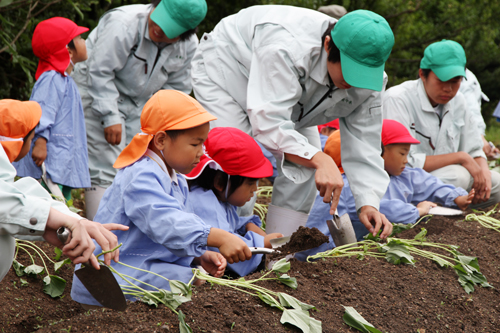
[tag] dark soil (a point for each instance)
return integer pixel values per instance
(302, 239)
(397, 299)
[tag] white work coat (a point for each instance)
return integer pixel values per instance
(456, 131)
(271, 60)
(471, 89)
(125, 68)
(24, 210)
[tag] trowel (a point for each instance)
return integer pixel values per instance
(341, 229)
(101, 284)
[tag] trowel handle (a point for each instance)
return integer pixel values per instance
(64, 234)
(261, 250)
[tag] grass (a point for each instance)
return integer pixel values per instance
(493, 132)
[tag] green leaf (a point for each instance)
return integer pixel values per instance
(268, 300)
(302, 320)
(34, 269)
(289, 281)
(281, 266)
(421, 235)
(291, 302)
(54, 285)
(398, 254)
(399, 227)
(24, 283)
(18, 268)
(181, 288)
(183, 327)
(61, 263)
(5, 3)
(354, 319)
(58, 252)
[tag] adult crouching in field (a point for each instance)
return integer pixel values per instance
(134, 51)
(276, 72)
(437, 115)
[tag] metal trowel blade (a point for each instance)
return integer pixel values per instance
(103, 286)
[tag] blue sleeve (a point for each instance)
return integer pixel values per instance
(49, 93)
(429, 188)
(398, 211)
(148, 202)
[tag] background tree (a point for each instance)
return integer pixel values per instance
(416, 24)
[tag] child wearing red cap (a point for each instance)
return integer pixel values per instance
(225, 179)
(151, 197)
(26, 209)
(411, 191)
(59, 151)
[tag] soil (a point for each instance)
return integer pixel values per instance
(422, 298)
(302, 239)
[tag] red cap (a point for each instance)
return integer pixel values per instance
(395, 132)
(234, 152)
(332, 124)
(49, 43)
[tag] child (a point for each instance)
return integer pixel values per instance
(27, 210)
(411, 191)
(226, 178)
(151, 198)
(326, 129)
(60, 142)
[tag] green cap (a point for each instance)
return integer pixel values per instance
(365, 41)
(445, 58)
(178, 16)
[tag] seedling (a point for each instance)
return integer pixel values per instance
(485, 219)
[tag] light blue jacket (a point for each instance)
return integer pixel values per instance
(164, 235)
(63, 126)
(405, 191)
(223, 216)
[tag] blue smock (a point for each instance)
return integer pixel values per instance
(63, 126)
(164, 235)
(223, 215)
(405, 191)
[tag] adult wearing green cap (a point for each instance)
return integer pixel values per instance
(134, 51)
(276, 72)
(436, 114)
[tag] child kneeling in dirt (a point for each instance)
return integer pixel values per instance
(147, 195)
(226, 178)
(411, 191)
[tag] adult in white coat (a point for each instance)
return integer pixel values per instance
(437, 115)
(276, 71)
(134, 51)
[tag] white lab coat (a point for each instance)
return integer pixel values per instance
(259, 69)
(471, 89)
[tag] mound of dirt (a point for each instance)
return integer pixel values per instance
(302, 239)
(394, 298)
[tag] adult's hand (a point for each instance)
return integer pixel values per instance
(476, 173)
(113, 134)
(328, 179)
(373, 220)
(483, 191)
(39, 153)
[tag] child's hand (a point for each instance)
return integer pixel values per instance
(232, 247)
(424, 207)
(464, 201)
(214, 263)
(267, 239)
(39, 153)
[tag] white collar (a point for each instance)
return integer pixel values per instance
(154, 156)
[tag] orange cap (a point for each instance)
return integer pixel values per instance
(166, 110)
(17, 120)
(332, 148)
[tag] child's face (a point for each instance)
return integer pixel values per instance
(157, 35)
(26, 147)
(395, 158)
(80, 52)
(183, 153)
(243, 193)
(440, 92)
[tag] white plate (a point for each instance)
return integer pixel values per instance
(445, 211)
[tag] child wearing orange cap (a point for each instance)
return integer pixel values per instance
(150, 197)
(225, 179)
(26, 209)
(411, 191)
(59, 151)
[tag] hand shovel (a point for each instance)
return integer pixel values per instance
(341, 230)
(101, 284)
(275, 243)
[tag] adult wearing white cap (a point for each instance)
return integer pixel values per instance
(134, 51)
(276, 71)
(437, 115)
